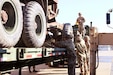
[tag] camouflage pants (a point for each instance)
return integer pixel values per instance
(82, 60)
(71, 54)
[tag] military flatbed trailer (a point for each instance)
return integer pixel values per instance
(16, 58)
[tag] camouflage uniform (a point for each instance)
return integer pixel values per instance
(81, 54)
(87, 42)
(80, 20)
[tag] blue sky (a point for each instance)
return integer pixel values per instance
(92, 10)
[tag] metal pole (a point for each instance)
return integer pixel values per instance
(93, 51)
(20, 71)
(92, 60)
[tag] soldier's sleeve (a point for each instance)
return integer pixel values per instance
(77, 21)
(88, 48)
(83, 19)
(79, 48)
(85, 48)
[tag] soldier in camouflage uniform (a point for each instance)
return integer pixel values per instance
(87, 42)
(81, 54)
(80, 21)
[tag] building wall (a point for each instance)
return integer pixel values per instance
(105, 38)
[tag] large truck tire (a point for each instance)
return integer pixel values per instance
(34, 25)
(10, 32)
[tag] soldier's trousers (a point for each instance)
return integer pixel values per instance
(71, 63)
(71, 54)
(83, 63)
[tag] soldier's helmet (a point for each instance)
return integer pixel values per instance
(68, 30)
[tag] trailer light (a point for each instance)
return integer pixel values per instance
(50, 54)
(39, 54)
(28, 56)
